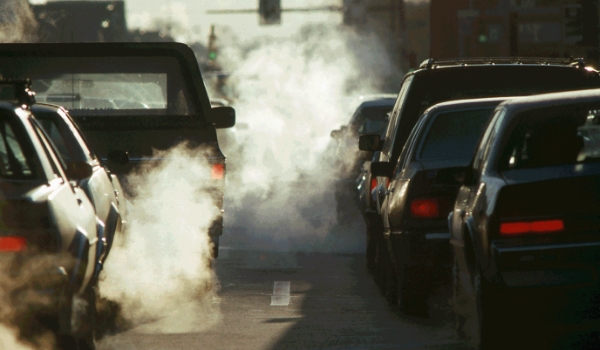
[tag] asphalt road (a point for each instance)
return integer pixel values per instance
(272, 300)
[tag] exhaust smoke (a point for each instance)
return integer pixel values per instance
(160, 270)
(284, 167)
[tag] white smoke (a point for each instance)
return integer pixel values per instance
(291, 93)
(17, 22)
(160, 271)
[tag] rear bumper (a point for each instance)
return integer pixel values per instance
(425, 248)
(565, 264)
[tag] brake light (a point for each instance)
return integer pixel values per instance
(425, 208)
(524, 227)
(218, 171)
(373, 183)
(12, 244)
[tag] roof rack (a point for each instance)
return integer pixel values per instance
(429, 63)
(22, 90)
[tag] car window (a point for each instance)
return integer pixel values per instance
(547, 138)
(106, 86)
(407, 150)
(14, 163)
(485, 142)
(454, 135)
(68, 145)
(395, 118)
(50, 150)
(373, 120)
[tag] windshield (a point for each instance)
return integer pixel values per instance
(454, 135)
(374, 120)
(547, 139)
(108, 86)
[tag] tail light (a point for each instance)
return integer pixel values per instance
(218, 171)
(373, 183)
(526, 227)
(12, 244)
(425, 208)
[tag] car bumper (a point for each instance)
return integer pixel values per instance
(426, 248)
(558, 264)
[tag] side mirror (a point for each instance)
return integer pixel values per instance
(118, 157)
(78, 170)
(384, 169)
(371, 143)
(336, 134)
(222, 117)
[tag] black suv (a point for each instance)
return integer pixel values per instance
(444, 80)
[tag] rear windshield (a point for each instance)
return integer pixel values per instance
(15, 161)
(547, 138)
(454, 135)
(374, 120)
(106, 85)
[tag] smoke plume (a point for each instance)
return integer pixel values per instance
(17, 22)
(160, 271)
(291, 93)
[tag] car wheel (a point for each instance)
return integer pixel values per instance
(411, 300)
(86, 333)
(373, 243)
(214, 247)
(386, 273)
(488, 313)
(458, 298)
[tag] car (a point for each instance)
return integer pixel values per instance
(102, 187)
(371, 116)
(526, 215)
(446, 80)
(423, 188)
(162, 101)
(45, 214)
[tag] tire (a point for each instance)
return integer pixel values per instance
(487, 327)
(459, 300)
(87, 336)
(387, 275)
(411, 300)
(214, 247)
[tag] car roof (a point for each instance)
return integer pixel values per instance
(382, 102)
(467, 103)
(491, 61)
(522, 104)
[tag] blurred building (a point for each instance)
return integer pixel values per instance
(476, 28)
(81, 21)
(401, 25)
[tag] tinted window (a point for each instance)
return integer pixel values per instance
(373, 120)
(14, 161)
(548, 138)
(454, 135)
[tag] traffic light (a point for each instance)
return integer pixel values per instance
(270, 11)
(212, 47)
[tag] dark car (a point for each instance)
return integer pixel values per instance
(527, 216)
(102, 188)
(421, 194)
(129, 97)
(371, 116)
(445, 80)
(48, 228)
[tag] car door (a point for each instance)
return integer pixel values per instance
(393, 200)
(73, 213)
